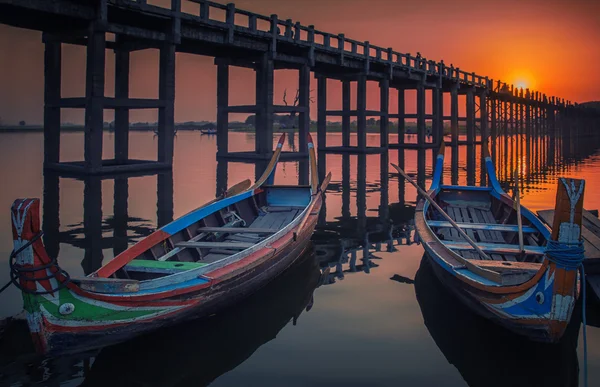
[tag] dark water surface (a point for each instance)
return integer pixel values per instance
(363, 308)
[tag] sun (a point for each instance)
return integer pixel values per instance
(521, 84)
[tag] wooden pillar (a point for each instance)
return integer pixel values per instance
(222, 106)
(304, 102)
(384, 101)
(51, 213)
(454, 114)
(483, 114)
(346, 111)
(52, 86)
(92, 224)
(528, 128)
(322, 111)
(121, 113)
(493, 132)
(401, 119)
(94, 106)
(361, 107)
(264, 103)
(437, 117)
(470, 116)
(164, 198)
(421, 115)
(166, 93)
(121, 195)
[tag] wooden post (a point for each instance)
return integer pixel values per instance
(493, 133)
(361, 107)
(421, 114)
(470, 116)
(435, 111)
(92, 224)
(454, 114)
(483, 127)
(52, 86)
(121, 195)
(321, 111)
(222, 106)
(164, 198)
(346, 113)
(304, 102)
(51, 213)
(166, 114)
(401, 113)
(384, 100)
(528, 127)
(94, 105)
(121, 114)
(264, 103)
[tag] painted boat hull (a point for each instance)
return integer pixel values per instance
(203, 304)
(537, 302)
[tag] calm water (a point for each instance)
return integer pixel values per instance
(377, 316)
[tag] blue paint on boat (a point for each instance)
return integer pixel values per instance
(288, 196)
(194, 216)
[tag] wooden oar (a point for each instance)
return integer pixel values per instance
(519, 220)
(444, 214)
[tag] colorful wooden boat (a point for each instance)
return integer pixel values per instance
(530, 287)
(208, 131)
(193, 266)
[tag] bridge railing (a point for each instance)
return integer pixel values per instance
(288, 31)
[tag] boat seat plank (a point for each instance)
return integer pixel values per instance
(496, 248)
(482, 226)
(163, 267)
(237, 230)
(244, 238)
(209, 245)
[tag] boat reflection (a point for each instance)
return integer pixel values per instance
(486, 354)
(193, 353)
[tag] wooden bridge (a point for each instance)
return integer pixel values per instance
(236, 37)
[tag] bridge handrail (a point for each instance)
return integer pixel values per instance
(287, 30)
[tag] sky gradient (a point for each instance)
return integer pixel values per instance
(551, 46)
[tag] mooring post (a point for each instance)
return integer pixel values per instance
(346, 113)
(384, 101)
(222, 109)
(94, 105)
(52, 86)
(322, 111)
(454, 114)
(361, 107)
(304, 103)
(421, 128)
(121, 113)
(166, 93)
(264, 102)
(470, 116)
(401, 113)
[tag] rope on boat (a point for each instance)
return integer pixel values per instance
(571, 256)
(17, 271)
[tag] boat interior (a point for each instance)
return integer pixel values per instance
(221, 234)
(489, 222)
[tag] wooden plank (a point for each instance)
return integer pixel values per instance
(460, 218)
(210, 245)
(107, 285)
(482, 226)
(238, 230)
(488, 217)
(510, 258)
(483, 234)
(497, 248)
(454, 235)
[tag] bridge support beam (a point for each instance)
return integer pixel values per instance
(304, 102)
(52, 82)
(166, 114)
(421, 127)
(361, 107)
(94, 101)
(454, 115)
(346, 113)
(222, 113)
(264, 104)
(322, 112)
(121, 113)
(493, 129)
(401, 119)
(437, 113)
(470, 117)
(384, 100)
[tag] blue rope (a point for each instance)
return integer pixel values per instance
(571, 256)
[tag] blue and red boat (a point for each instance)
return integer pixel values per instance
(499, 258)
(189, 268)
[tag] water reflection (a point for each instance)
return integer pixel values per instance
(487, 355)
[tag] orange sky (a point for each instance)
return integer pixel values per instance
(550, 45)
